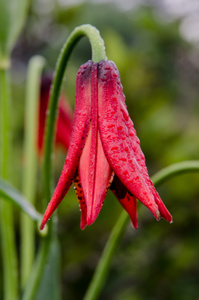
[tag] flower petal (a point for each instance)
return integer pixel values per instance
(120, 143)
(82, 203)
(95, 190)
(129, 202)
(94, 169)
(81, 123)
(135, 142)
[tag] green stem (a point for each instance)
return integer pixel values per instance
(98, 54)
(36, 65)
(175, 169)
(38, 268)
(6, 216)
(101, 271)
(9, 193)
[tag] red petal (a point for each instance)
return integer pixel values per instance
(80, 130)
(135, 142)
(82, 203)
(128, 201)
(94, 179)
(121, 145)
(94, 169)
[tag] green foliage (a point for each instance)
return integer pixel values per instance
(49, 287)
(12, 18)
(15, 197)
(160, 80)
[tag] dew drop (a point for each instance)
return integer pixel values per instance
(111, 126)
(107, 68)
(123, 159)
(114, 148)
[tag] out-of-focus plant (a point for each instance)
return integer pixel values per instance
(12, 17)
(39, 266)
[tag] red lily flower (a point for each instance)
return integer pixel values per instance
(64, 120)
(104, 150)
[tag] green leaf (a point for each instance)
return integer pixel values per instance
(12, 19)
(49, 287)
(8, 192)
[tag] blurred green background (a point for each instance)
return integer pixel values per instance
(158, 62)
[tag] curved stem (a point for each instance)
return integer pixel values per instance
(98, 54)
(93, 34)
(6, 214)
(175, 169)
(101, 271)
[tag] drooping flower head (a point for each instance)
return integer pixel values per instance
(104, 150)
(64, 119)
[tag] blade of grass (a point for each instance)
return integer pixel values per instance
(35, 67)
(10, 273)
(8, 192)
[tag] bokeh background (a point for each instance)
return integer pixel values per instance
(155, 46)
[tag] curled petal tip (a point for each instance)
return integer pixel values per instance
(91, 220)
(164, 213)
(157, 215)
(83, 223)
(43, 222)
(135, 225)
(169, 218)
(82, 227)
(42, 225)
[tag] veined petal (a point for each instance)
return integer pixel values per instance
(81, 123)
(94, 169)
(128, 201)
(118, 138)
